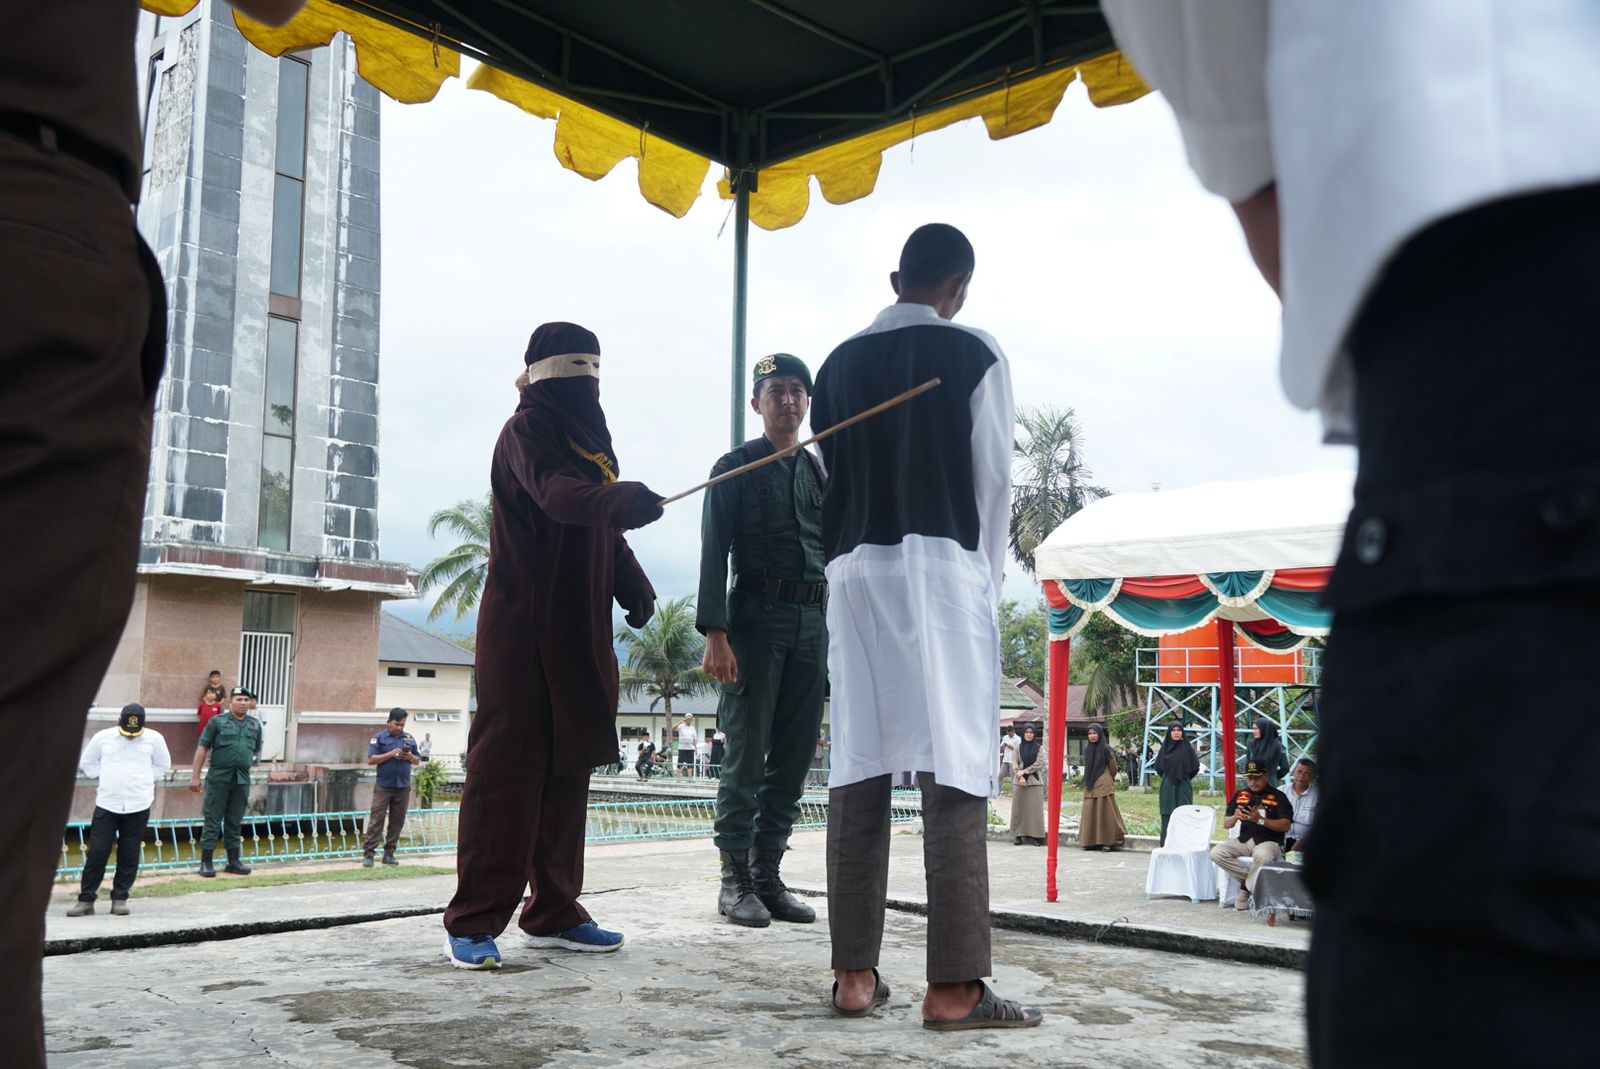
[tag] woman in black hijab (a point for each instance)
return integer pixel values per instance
(1266, 748)
(1027, 799)
(1100, 824)
(1178, 765)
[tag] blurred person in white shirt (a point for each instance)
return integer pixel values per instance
(127, 759)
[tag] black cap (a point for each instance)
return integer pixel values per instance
(780, 364)
(131, 720)
(1255, 768)
(559, 339)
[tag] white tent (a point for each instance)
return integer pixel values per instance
(1229, 551)
(1295, 521)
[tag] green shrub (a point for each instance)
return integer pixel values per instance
(428, 781)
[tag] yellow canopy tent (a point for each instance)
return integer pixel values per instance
(778, 93)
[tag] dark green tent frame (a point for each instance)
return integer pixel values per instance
(751, 83)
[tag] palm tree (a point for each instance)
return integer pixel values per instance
(462, 570)
(1051, 481)
(664, 657)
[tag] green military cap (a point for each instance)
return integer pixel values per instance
(780, 364)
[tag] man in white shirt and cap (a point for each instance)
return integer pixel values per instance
(1420, 181)
(127, 759)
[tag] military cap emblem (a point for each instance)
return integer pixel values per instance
(781, 364)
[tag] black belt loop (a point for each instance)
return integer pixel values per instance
(52, 139)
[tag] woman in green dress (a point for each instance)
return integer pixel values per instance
(1177, 764)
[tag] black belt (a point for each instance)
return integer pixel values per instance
(782, 589)
(52, 139)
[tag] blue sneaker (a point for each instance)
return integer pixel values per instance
(471, 951)
(588, 937)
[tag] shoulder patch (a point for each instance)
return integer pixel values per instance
(726, 463)
(374, 740)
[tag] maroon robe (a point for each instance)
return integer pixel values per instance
(556, 559)
(547, 676)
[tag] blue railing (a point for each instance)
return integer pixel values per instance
(296, 837)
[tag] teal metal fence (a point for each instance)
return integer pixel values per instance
(296, 837)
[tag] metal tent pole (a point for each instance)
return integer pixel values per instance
(741, 300)
(743, 180)
(1225, 667)
(1059, 670)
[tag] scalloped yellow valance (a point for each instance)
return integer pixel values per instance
(410, 68)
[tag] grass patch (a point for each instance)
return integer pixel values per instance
(186, 886)
(1142, 812)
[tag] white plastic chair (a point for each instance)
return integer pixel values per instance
(1183, 867)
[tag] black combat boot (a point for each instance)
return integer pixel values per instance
(738, 901)
(235, 866)
(778, 899)
(205, 864)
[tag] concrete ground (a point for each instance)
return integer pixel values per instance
(687, 989)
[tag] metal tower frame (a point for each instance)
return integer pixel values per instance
(1293, 707)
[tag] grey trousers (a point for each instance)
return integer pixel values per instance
(955, 855)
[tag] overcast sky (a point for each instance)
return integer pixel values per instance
(1114, 284)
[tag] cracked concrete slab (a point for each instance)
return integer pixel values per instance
(687, 990)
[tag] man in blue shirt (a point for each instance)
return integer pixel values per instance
(394, 751)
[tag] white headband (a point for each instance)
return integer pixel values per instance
(564, 366)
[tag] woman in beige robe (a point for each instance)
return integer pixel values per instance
(1027, 795)
(1100, 825)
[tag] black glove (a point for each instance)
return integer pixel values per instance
(646, 508)
(640, 614)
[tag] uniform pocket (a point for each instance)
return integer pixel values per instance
(78, 243)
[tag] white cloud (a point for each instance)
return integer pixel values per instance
(1113, 282)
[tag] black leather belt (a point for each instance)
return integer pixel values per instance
(51, 139)
(782, 589)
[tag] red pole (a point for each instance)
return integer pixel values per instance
(1060, 663)
(1225, 670)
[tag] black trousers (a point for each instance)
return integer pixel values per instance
(1456, 851)
(82, 321)
(126, 830)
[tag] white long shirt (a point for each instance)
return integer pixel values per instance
(914, 523)
(1376, 118)
(127, 768)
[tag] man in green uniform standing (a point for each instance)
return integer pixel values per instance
(234, 743)
(766, 642)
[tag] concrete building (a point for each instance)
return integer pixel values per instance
(260, 538)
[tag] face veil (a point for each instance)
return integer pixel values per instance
(563, 361)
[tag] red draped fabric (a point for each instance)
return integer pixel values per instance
(1164, 586)
(1263, 627)
(1301, 578)
(1053, 595)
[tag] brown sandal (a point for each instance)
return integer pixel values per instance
(880, 995)
(992, 1011)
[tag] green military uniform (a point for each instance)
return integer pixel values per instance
(770, 523)
(234, 745)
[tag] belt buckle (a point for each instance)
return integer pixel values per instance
(786, 594)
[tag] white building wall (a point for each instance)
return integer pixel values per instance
(438, 706)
